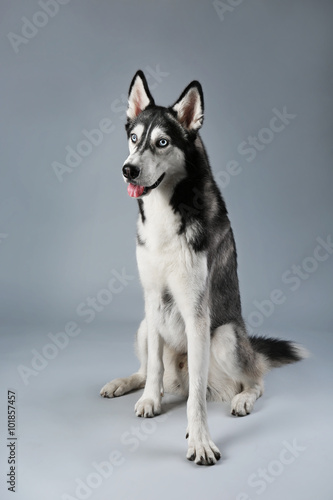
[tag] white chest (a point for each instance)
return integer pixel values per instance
(164, 252)
(169, 265)
(161, 226)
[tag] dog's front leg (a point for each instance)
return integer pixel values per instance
(201, 448)
(149, 404)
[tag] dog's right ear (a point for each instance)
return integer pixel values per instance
(139, 96)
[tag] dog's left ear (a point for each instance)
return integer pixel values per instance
(190, 107)
(139, 96)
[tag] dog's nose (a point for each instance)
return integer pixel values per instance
(130, 171)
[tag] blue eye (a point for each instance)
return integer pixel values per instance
(133, 138)
(162, 143)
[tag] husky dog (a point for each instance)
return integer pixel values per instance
(193, 339)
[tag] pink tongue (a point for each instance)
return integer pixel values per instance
(135, 191)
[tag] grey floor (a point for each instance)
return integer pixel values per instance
(68, 436)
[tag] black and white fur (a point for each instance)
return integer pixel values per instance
(193, 339)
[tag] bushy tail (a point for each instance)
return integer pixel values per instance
(278, 352)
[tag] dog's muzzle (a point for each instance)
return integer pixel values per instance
(135, 190)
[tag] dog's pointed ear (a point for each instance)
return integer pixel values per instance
(190, 107)
(139, 96)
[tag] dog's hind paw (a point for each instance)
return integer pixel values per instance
(242, 404)
(118, 387)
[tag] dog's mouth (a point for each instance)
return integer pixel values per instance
(136, 191)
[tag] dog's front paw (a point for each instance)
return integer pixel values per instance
(147, 407)
(203, 451)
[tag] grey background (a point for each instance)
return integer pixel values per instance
(60, 241)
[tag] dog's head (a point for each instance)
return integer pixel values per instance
(158, 137)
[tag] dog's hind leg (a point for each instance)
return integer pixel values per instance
(267, 353)
(120, 386)
(233, 352)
